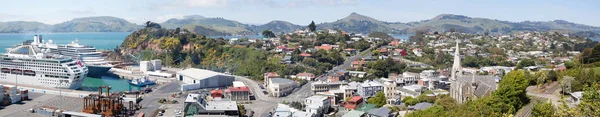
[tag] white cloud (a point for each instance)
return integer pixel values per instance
(203, 3)
(87, 11)
(304, 3)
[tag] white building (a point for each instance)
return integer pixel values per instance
(369, 89)
(279, 87)
(389, 89)
(315, 103)
(200, 78)
(410, 77)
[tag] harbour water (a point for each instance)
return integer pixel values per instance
(101, 40)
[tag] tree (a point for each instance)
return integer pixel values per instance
(268, 34)
(410, 101)
(542, 76)
(590, 102)
(525, 63)
(242, 109)
(446, 101)
(434, 111)
(312, 27)
(150, 24)
(542, 109)
(425, 98)
(552, 75)
(566, 47)
(511, 90)
(379, 100)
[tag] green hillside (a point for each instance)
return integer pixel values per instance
(23, 27)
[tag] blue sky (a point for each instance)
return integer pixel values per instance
(301, 11)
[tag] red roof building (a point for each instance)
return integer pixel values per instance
(325, 47)
(216, 93)
(357, 64)
(238, 93)
(353, 102)
(305, 55)
(395, 43)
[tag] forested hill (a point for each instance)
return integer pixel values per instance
(182, 48)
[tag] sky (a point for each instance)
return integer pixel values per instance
(300, 11)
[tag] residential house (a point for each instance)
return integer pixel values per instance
(287, 60)
(306, 76)
(350, 51)
(359, 74)
(325, 47)
(305, 55)
(358, 64)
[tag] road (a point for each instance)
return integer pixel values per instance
(548, 94)
(150, 101)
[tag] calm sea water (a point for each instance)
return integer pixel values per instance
(102, 41)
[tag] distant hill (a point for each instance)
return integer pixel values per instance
(354, 23)
(96, 24)
(276, 26)
(479, 25)
(358, 23)
(23, 27)
(224, 26)
(87, 24)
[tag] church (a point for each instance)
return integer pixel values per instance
(466, 87)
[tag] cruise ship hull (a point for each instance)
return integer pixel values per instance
(12, 79)
(97, 71)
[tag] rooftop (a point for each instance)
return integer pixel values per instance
(370, 84)
(316, 98)
(200, 73)
(281, 80)
(380, 112)
(354, 113)
(421, 106)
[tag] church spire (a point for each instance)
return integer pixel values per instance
(456, 68)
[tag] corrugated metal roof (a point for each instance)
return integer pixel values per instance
(199, 73)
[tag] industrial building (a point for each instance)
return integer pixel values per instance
(200, 78)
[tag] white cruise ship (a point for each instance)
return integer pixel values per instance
(93, 59)
(29, 65)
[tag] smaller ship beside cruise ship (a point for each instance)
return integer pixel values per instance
(27, 64)
(93, 59)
